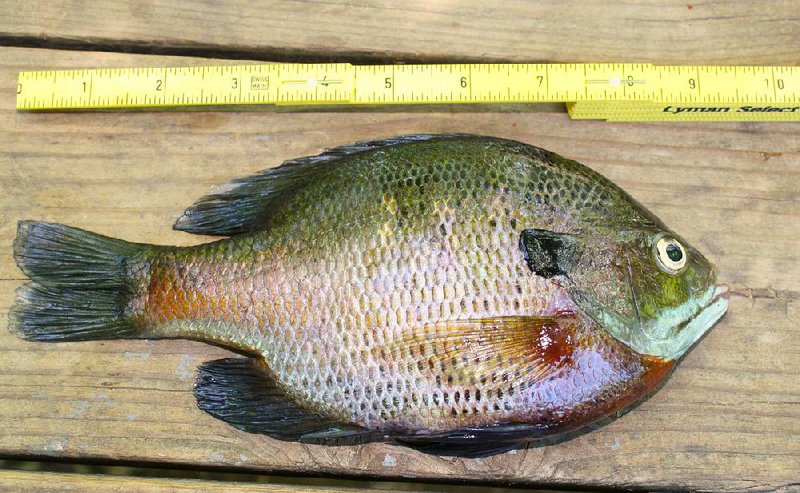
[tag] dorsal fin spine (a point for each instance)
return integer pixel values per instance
(243, 204)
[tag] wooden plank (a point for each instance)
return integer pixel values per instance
(727, 419)
(40, 482)
(672, 31)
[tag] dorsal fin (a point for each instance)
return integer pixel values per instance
(244, 204)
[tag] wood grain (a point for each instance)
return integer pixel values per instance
(41, 482)
(658, 31)
(728, 419)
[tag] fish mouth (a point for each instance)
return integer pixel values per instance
(687, 333)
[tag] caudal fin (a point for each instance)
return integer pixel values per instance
(79, 284)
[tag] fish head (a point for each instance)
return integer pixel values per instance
(647, 287)
(673, 293)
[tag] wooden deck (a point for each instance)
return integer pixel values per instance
(728, 419)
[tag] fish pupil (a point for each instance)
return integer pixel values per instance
(674, 252)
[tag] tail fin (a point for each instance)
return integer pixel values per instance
(79, 284)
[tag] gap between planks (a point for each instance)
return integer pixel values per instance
(35, 481)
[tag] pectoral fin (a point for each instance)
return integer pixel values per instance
(474, 351)
(241, 393)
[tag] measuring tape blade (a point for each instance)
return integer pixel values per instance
(612, 91)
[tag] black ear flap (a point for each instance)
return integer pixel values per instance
(547, 254)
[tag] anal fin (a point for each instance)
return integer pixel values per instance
(239, 392)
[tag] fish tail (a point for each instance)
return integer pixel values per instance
(79, 284)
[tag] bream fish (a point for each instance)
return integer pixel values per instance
(455, 293)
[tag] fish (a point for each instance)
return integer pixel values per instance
(457, 294)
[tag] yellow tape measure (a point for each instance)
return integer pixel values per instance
(607, 91)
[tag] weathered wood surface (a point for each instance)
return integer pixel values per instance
(42, 482)
(729, 417)
(672, 31)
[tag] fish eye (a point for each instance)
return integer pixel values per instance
(670, 255)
